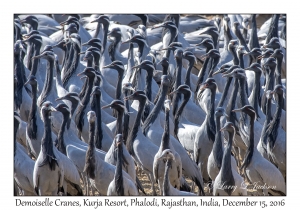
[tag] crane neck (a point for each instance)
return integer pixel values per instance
(166, 183)
(47, 143)
(232, 101)
(179, 113)
(254, 98)
(253, 42)
(188, 74)
(165, 142)
(235, 57)
(177, 83)
(156, 109)
(133, 134)
(278, 71)
(31, 122)
(272, 131)
(48, 81)
(211, 127)
(226, 172)
(126, 118)
(269, 78)
(225, 92)
(250, 149)
(119, 174)
(95, 106)
(217, 149)
(61, 133)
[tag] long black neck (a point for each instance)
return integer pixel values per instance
(225, 92)
(227, 178)
(97, 30)
(85, 84)
(227, 36)
(241, 60)
(90, 164)
(60, 137)
(16, 127)
(269, 78)
(31, 123)
(211, 127)
(204, 68)
(202, 74)
(80, 111)
(74, 64)
(35, 62)
(250, 149)
(241, 38)
(253, 42)
(245, 33)
(70, 56)
(148, 93)
(165, 142)
(30, 52)
(177, 96)
(141, 46)
(119, 127)
(48, 81)
(278, 71)
(165, 69)
(118, 173)
(272, 131)
(113, 47)
(215, 63)
(264, 134)
(188, 74)
(179, 113)
(235, 57)
(47, 143)
(273, 30)
(126, 119)
(256, 92)
(243, 99)
(166, 183)
(172, 39)
(133, 134)
(119, 84)
(231, 104)
(20, 84)
(156, 110)
(105, 32)
(95, 106)
(217, 149)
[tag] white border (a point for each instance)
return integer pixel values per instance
(148, 6)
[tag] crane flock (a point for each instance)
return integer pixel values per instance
(197, 105)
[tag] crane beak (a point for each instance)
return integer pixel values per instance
(225, 115)
(35, 57)
(105, 107)
(84, 44)
(59, 99)
(107, 66)
(205, 85)
(128, 40)
(81, 73)
(216, 72)
(53, 109)
(81, 53)
(135, 67)
(236, 110)
(173, 92)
